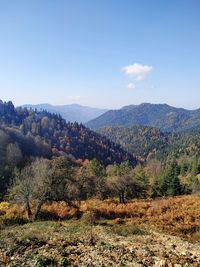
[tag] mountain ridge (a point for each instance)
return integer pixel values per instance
(162, 116)
(70, 112)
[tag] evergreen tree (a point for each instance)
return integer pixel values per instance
(171, 185)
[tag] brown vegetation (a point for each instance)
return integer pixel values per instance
(175, 215)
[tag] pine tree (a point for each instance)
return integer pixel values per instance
(171, 185)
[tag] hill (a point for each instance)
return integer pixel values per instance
(149, 142)
(161, 116)
(72, 113)
(139, 140)
(69, 139)
(143, 233)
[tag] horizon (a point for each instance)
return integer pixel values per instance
(100, 54)
(106, 108)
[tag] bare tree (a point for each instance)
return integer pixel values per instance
(22, 189)
(33, 183)
(43, 180)
(13, 154)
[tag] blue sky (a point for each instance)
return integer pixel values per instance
(103, 53)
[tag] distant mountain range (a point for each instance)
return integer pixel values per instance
(72, 113)
(162, 116)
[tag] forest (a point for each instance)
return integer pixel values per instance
(64, 187)
(138, 162)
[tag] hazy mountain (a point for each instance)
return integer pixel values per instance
(162, 116)
(73, 112)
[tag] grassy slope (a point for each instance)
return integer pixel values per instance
(127, 235)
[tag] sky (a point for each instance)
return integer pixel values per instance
(100, 53)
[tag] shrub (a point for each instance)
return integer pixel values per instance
(127, 230)
(63, 262)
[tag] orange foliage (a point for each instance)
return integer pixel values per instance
(59, 210)
(177, 215)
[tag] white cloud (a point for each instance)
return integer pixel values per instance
(140, 77)
(139, 71)
(131, 86)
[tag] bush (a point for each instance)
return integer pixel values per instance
(126, 230)
(63, 262)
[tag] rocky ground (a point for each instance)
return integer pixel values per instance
(79, 244)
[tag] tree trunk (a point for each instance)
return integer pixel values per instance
(120, 198)
(123, 198)
(38, 208)
(29, 212)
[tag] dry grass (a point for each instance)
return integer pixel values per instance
(12, 214)
(57, 210)
(175, 215)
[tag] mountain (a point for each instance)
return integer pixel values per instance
(67, 139)
(142, 141)
(162, 116)
(72, 113)
(149, 143)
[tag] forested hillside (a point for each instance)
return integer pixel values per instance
(27, 134)
(151, 143)
(142, 141)
(168, 163)
(70, 139)
(161, 116)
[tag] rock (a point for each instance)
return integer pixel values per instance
(160, 263)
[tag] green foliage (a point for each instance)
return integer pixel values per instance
(126, 230)
(142, 180)
(149, 143)
(25, 134)
(126, 183)
(41, 261)
(156, 188)
(63, 262)
(43, 181)
(96, 168)
(171, 185)
(170, 162)
(141, 140)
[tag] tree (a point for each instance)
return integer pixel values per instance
(85, 184)
(22, 189)
(156, 188)
(196, 186)
(33, 183)
(41, 181)
(122, 182)
(4, 140)
(13, 154)
(142, 181)
(63, 180)
(171, 185)
(97, 170)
